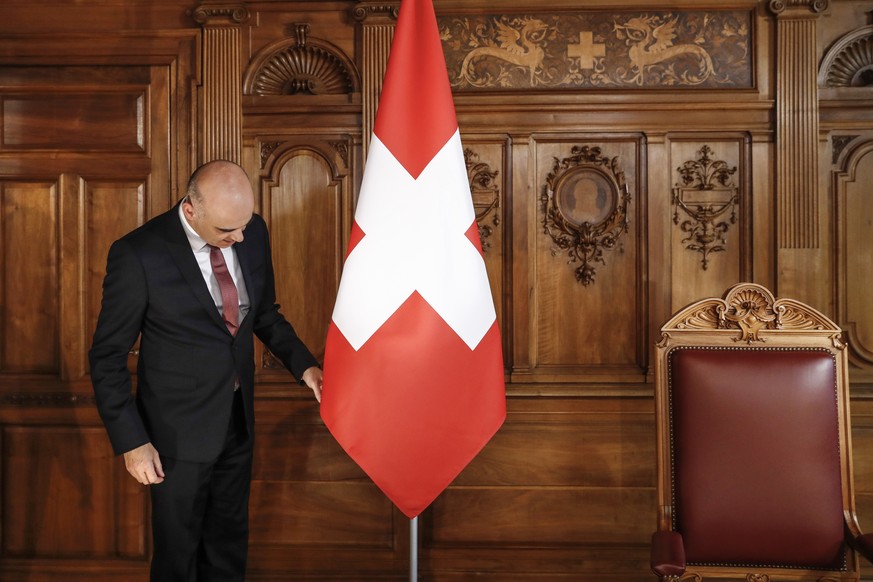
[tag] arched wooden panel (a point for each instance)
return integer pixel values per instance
(855, 250)
(303, 206)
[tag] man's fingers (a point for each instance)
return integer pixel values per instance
(159, 469)
(144, 464)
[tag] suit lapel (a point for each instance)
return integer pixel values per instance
(180, 250)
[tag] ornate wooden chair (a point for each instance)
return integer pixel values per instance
(754, 446)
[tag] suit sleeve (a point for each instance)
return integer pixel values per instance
(125, 297)
(273, 329)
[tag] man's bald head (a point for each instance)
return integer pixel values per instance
(220, 202)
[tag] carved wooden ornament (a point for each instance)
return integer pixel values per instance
(705, 194)
(485, 191)
(747, 309)
(585, 208)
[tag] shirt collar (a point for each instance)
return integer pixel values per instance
(194, 239)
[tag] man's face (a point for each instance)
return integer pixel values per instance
(219, 221)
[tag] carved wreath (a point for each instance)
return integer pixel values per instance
(585, 208)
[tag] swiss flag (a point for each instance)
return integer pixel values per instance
(413, 369)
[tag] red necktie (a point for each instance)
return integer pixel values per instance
(229, 296)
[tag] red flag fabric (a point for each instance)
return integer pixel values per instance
(413, 368)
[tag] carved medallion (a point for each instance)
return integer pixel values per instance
(706, 194)
(584, 208)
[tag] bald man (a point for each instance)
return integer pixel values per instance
(195, 284)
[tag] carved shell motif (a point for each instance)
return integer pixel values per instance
(308, 69)
(853, 67)
(300, 66)
(849, 62)
(750, 308)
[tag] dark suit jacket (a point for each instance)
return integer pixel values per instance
(188, 361)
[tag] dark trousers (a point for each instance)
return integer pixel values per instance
(200, 513)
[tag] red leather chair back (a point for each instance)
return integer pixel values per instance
(756, 462)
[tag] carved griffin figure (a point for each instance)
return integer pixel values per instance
(651, 42)
(517, 43)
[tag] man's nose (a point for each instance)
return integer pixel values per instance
(237, 236)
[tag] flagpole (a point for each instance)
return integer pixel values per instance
(413, 549)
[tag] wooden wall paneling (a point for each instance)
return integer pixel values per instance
(313, 510)
(854, 252)
(524, 230)
(112, 209)
(660, 222)
(762, 210)
(592, 332)
(30, 332)
(377, 33)
(93, 150)
(801, 212)
(561, 482)
(710, 214)
(160, 66)
(221, 93)
(304, 192)
(488, 169)
(60, 497)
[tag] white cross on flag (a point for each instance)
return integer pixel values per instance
(413, 368)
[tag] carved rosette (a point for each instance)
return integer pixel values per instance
(705, 193)
(300, 66)
(757, 578)
(584, 206)
(750, 308)
(486, 195)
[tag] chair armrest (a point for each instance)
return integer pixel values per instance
(668, 553)
(864, 545)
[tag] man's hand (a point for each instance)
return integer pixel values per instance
(313, 378)
(144, 464)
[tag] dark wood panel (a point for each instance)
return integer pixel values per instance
(30, 287)
(609, 451)
(593, 327)
(710, 244)
(544, 516)
(305, 219)
(111, 210)
(112, 121)
(320, 513)
(62, 496)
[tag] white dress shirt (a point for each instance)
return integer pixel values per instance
(201, 253)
